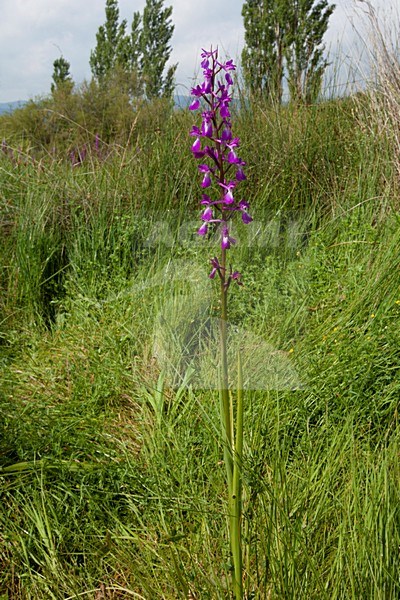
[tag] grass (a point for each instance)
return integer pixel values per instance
(112, 483)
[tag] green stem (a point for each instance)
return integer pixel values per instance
(236, 496)
(226, 408)
(233, 441)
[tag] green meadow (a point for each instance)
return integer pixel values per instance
(111, 472)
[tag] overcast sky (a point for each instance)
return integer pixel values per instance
(33, 33)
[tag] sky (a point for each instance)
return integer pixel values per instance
(33, 33)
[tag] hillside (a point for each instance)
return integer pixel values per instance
(110, 459)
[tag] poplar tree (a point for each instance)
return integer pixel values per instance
(304, 52)
(111, 48)
(140, 57)
(263, 54)
(155, 49)
(284, 38)
(61, 75)
(134, 41)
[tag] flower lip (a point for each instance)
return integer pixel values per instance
(206, 181)
(243, 207)
(226, 239)
(203, 229)
(207, 214)
(207, 128)
(196, 146)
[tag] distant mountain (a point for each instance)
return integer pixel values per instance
(8, 107)
(180, 101)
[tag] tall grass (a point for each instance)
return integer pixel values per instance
(111, 478)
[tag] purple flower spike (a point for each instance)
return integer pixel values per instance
(218, 151)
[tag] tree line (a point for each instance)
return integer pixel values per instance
(284, 40)
(133, 58)
(283, 43)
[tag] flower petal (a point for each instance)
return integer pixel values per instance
(195, 104)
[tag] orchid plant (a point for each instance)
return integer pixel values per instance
(221, 171)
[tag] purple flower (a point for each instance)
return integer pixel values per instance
(226, 239)
(206, 200)
(196, 146)
(232, 158)
(226, 135)
(240, 176)
(203, 229)
(228, 66)
(234, 143)
(206, 181)
(207, 214)
(195, 131)
(201, 90)
(235, 276)
(212, 153)
(206, 127)
(243, 207)
(207, 177)
(216, 268)
(195, 104)
(224, 111)
(196, 149)
(228, 196)
(209, 53)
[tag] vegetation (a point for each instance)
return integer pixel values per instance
(141, 56)
(283, 41)
(111, 478)
(61, 75)
(113, 48)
